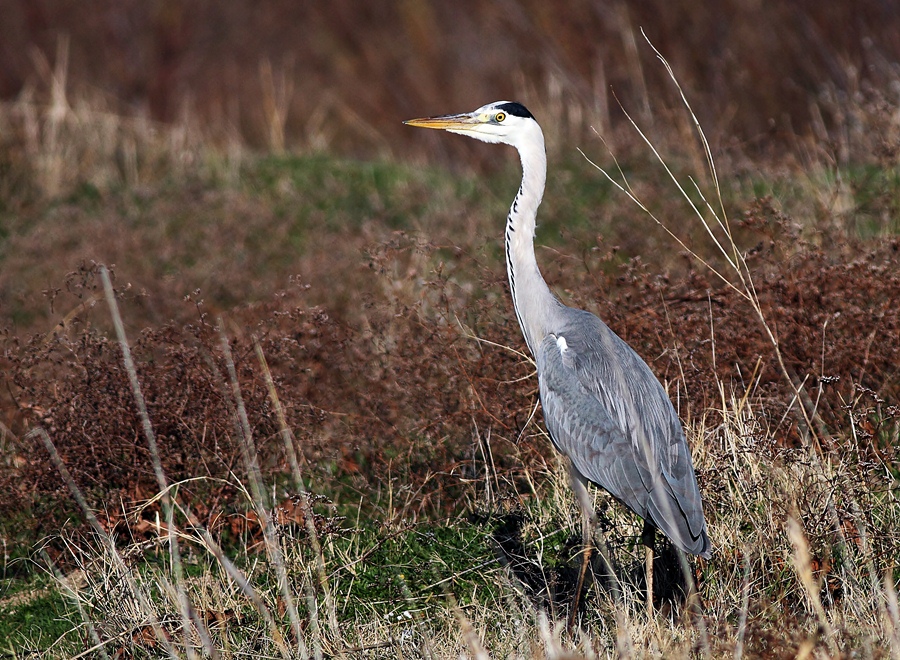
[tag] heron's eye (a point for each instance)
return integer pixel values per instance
(499, 117)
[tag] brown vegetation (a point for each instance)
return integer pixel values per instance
(400, 391)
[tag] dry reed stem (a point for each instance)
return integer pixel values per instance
(289, 441)
(892, 612)
(210, 544)
(168, 508)
(251, 465)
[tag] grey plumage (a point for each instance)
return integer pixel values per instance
(603, 407)
(608, 413)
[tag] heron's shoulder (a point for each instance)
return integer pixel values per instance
(583, 330)
(580, 342)
(596, 352)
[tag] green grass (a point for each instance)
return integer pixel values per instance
(38, 621)
(321, 193)
(429, 559)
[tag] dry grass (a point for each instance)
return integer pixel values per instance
(797, 582)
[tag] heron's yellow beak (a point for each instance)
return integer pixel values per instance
(446, 122)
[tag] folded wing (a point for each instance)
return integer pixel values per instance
(609, 414)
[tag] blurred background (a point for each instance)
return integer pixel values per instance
(766, 76)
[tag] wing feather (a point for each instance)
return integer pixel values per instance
(609, 414)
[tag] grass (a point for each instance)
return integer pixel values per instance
(349, 461)
(404, 585)
(33, 611)
(37, 624)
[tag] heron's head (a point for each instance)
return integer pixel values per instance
(501, 121)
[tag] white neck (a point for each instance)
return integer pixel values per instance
(532, 299)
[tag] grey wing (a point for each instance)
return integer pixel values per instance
(608, 413)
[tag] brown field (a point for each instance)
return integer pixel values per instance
(243, 173)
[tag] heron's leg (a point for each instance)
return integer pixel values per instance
(587, 525)
(587, 549)
(648, 537)
(578, 484)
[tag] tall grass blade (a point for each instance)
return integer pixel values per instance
(251, 465)
(161, 480)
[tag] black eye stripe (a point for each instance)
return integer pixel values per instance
(516, 110)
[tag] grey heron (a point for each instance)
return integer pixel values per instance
(603, 406)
